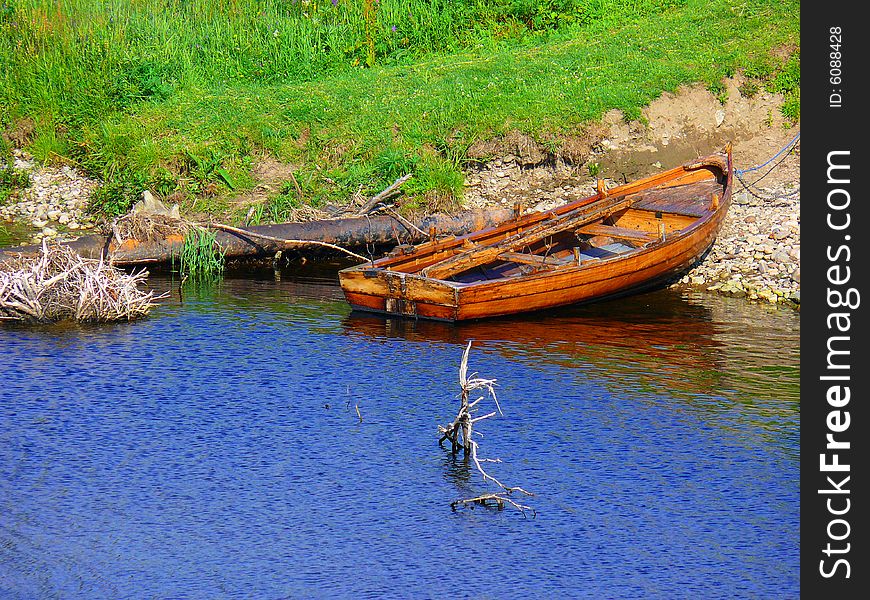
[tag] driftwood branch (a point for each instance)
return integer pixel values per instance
(299, 194)
(463, 427)
(59, 285)
(405, 222)
(392, 190)
(488, 477)
(284, 242)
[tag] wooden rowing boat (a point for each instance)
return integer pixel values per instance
(619, 241)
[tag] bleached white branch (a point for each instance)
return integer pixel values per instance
(462, 426)
(58, 284)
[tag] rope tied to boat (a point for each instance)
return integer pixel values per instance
(779, 157)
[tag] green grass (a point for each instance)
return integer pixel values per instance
(183, 96)
(10, 178)
(200, 260)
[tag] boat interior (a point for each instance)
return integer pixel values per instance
(652, 217)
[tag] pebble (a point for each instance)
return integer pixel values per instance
(54, 204)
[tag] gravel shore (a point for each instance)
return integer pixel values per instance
(757, 253)
(54, 204)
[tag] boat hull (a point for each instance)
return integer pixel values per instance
(538, 293)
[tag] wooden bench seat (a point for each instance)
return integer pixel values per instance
(617, 232)
(531, 259)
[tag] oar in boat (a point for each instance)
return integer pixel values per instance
(480, 255)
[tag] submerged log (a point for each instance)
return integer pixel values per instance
(362, 233)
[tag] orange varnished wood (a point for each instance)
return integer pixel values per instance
(645, 220)
(687, 178)
(679, 200)
(386, 284)
(583, 283)
(482, 254)
(529, 259)
(617, 232)
(430, 252)
(421, 309)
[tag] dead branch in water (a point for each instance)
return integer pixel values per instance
(58, 285)
(463, 425)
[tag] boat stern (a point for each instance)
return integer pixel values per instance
(374, 289)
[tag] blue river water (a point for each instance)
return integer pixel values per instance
(214, 450)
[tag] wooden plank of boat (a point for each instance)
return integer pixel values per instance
(531, 259)
(617, 232)
(429, 253)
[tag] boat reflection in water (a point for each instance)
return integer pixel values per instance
(689, 343)
(662, 332)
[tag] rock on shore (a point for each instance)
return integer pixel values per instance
(757, 252)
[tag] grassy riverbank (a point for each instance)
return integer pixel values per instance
(185, 97)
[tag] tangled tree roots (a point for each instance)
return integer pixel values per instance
(60, 285)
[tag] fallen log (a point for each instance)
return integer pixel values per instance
(364, 233)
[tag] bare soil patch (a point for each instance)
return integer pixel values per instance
(20, 133)
(270, 175)
(674, 128)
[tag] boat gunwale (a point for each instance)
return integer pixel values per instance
(568, 269)
(651, 246)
